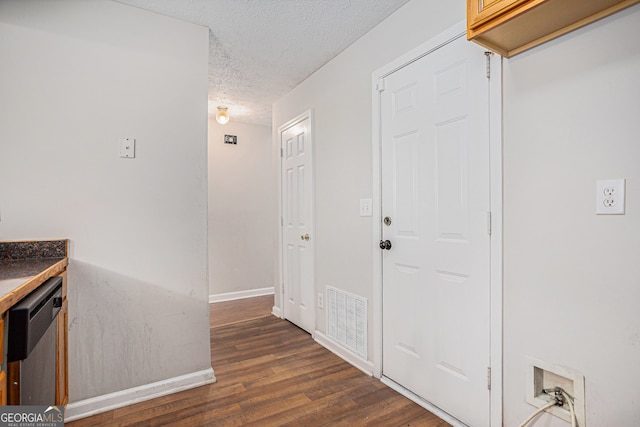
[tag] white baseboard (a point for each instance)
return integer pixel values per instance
(277, 312)
(229, 296)
(335, 348)
(118, 399)
(426, 405)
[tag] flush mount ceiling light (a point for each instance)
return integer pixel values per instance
(222, 116)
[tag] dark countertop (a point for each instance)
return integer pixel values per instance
(25, 268)
(26, 265)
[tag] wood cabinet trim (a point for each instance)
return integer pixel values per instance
(10, 299)
(523, 27)
(13, 383)
(62, 356)
(494, 12)
(3, 388)
(2, 339)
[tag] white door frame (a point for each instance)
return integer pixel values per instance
(495, 136)
(312, 226)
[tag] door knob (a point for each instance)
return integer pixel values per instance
(305, 237)
(385, 244)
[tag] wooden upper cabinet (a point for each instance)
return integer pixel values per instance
(481, 11)
(509, 27)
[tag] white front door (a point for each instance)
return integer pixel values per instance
(297, 223)
(435, 194)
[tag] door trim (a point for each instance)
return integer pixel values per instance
(308, 114)
(495, 148)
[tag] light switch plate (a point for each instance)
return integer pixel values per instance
(128, 148)
(610, 197)
(365, 207)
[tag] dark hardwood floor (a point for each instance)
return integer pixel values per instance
(271, 373)
(228, 312)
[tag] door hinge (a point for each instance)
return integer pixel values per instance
(380, 85)
(281, 222)
(487, 56)
(281, 152)
(489, 223)
(489, 378)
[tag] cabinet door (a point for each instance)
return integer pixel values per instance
(62, 380)
(3, 388)
(3, 376)
(482, 11)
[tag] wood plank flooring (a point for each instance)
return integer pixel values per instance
(271, 373)
(228, 312)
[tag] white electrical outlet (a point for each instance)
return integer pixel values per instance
(320, 300)
(610, 197)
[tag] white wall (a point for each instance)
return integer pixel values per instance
(241, 209)
(571, 109)
(571, 278)
(340, 96)
(75, 78)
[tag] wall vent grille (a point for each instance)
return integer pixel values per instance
(347, 320)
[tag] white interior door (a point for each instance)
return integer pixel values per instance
(435, 192)
(297, 223)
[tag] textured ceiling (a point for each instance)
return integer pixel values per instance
(260, 49)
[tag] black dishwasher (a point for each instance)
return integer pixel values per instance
(32, 344)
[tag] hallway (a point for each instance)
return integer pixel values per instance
(271, 373)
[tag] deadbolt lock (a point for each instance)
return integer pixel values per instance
(387, 220)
